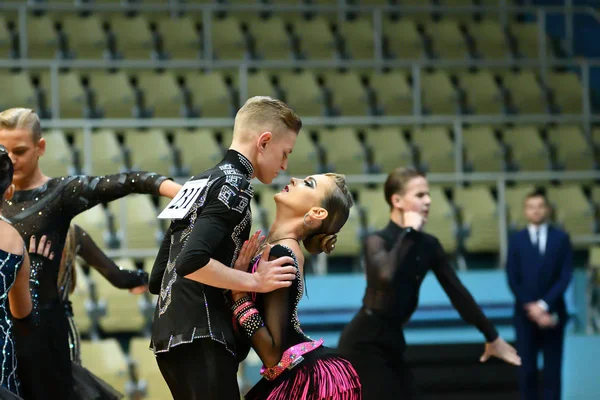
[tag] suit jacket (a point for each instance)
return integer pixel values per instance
(533, 276)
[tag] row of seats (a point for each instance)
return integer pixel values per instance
(324, 92)
(134, 373)
(465, 219)
(182, 152)
(100, 308)
(282, 36)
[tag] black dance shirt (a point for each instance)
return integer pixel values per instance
(397, 260)
(49, 209)
(215, 223)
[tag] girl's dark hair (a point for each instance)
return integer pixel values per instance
(6, 170)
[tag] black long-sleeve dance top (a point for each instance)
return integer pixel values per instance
(214, 223)
(397, 260)
(49, 209)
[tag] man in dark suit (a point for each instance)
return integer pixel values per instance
(539, 271)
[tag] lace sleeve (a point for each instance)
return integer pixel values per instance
(459, 296)
(94, 257)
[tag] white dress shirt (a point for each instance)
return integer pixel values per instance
(543, 236)
(541, 245)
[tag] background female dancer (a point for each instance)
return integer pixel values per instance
(14, 287)
(296, 367)
(45, 206)
(79, 243)
(397, 260)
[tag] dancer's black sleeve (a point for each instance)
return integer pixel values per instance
(160, 264)
(85, 192)
(269, 341)
(460, 297)
(95, 258)
(225, 208)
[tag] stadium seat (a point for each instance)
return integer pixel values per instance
(113, 95)
(448, 40)
(567, 90)
(316, 40)
(105, 359)
(228, 39)
(163, 96)
(270, 39)
(526, 94)
(85, 37)
(73, 100)
(18, 89)
(490, 39)
(358, 38)
(349, 159)
(441, 221)
(436, 149)
(59, 161)
(483, 150)
(142, 230)
(483, 95)
(438, 94)
(349, 94)
(149, 150)
(572, 148)
(393, 93)
(210, 95)
(180, 38)
(302, 93)
(94, 221)
(479, 218)
(572, 209)
(305, 159)
(198, 150)
(123, 312)
(133, 37)
(402, 39)
(527, 149)
(374, 206)
(42, 39)
(388, 148)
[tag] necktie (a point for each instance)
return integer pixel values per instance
(537, 241)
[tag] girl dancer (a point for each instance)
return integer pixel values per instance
(296, 367)
(15, 299)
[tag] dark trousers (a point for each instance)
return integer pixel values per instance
(201, 370)
(530, 340)
(375, 347)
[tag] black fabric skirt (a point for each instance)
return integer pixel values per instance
(88, 386)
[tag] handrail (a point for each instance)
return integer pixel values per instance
(463, 9)
(317, 121)
(289, 64)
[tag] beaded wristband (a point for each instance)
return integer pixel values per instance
(243, 307)
(239, 302)
(252, 324)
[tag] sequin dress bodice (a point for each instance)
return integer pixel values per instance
(9, 266)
